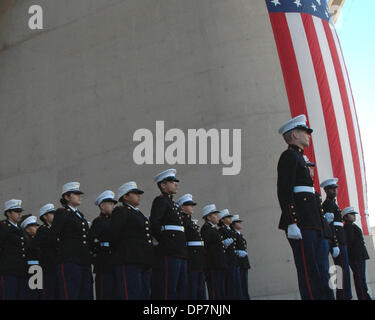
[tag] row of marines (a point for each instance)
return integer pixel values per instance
(313, 228)
(164, 256)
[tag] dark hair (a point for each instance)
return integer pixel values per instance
(159, 185)
(221, 223)
(63, 200)
(122, 200)
(43, 218)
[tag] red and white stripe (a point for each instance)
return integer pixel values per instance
(317, 85)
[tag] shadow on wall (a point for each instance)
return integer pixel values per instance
(6, 5)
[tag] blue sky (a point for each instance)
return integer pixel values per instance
(355, 27)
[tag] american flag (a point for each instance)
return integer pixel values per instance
(317, 85)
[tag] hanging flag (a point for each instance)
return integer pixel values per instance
(317, 85)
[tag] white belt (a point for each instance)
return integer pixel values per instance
(299, 189)
(104, 244)
(339, 224)
(195, 243)
(32, 262)
(170, 227)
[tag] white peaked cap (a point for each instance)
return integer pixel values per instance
(329, 182)
(170, 173)
(28, 221)
(210, 208)
(128, 186)
(224, 213)
(13, 204)
(297, 122)
(348, 210)
(186, 198)
(106, 195)
(236, 218)
(45, 209)
(71, 186)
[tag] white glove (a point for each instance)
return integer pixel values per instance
(329, 217)
(227, 242)
(335, 252)
(241, 253)
(294, 232)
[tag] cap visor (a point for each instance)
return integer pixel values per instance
(137, 191)
(109, 200)
(189, 203)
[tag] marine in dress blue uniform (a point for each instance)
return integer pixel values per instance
(30, 226)
(357, 252)
(195, 249)
(215, 258)
(48, 253)
(99, 240)
(242, 256)
(70, 231)
(13, 261)
(232, 277)
(333, 213)
(300, 217)
(167, 227)
(325, 242)
(131, 242)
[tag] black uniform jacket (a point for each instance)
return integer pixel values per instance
(195, 253)
(164, 211)
(70, 232)
(300, 208)
(99, 240)
(33, 250)
(244, 262)
(47, 253)
(131, 237)
(226, 233)
(214, 248)
(356, 244)
(338, 231)
(13, 246)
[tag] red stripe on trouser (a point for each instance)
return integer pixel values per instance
(3, 287)
(64, 281)
(306, 271)
(328, 109)
(213, 285)
(349, 119)
(360, 281)
(166, 278)
(124, 280)
(292, 79)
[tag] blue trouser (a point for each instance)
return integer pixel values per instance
(75, 281)
(244, 275)
(323, 265)
(105, 285)
(216, 284)
(50, 286)
(133, 282)
(171, 278)
(305, 254)
(233, 283)
(344, 292)
(13, 288)
(197, 285)
(359, 274)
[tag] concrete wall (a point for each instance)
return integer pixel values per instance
(73, 94)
